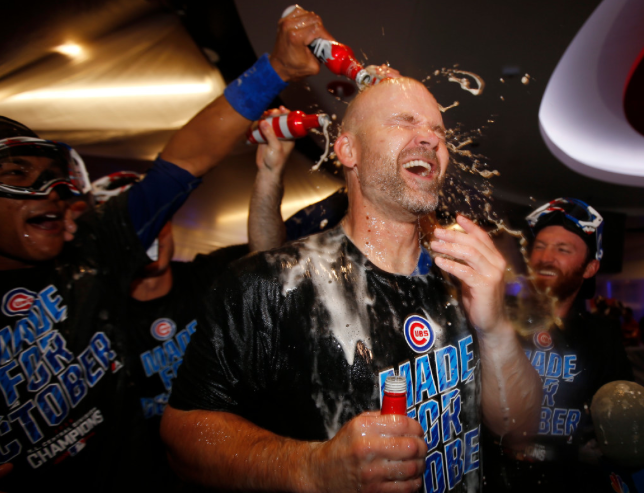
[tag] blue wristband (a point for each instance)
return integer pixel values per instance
(252, 92)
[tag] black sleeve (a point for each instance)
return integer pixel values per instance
(310, 220)
(106, 240)
(205, 268)
(153, 200)
(232, 355)
(618, 367)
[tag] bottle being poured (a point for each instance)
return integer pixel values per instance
(287, 127)
(341, 60)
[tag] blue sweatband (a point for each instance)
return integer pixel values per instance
(252, 92)
(153, 200)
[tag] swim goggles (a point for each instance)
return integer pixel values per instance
(21, 178)
(585, 217)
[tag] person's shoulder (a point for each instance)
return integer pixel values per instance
(599, 323)
(280, 268)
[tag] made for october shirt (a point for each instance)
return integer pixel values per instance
(64, 404)
(300, 340)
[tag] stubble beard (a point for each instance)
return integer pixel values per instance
(384, 175)
(565, 285)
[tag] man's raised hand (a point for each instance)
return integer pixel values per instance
(482, 272)
(291, 57)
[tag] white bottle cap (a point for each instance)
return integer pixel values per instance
(323, 118)
(363, 79)
(288, 10)
(396, 384)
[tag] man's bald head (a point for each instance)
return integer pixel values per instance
(358, 108)
(393, 146)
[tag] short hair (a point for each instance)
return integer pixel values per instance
(11, 128)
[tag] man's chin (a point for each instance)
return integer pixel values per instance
(545, 285)
(43, 250)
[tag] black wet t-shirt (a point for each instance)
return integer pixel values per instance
(158, 332)
(573, 363)
(300, 340)
(62, 357)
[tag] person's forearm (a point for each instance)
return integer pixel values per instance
(266, 229)
(211, 134)
(222, 450)
(511, 388)
(207, 138)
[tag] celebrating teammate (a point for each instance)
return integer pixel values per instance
(574, 360)
(278, 390)
(64, 414)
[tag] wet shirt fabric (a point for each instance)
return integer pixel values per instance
(301, 339)
(318, 217)
(573, 364)
(62, 357)
(159, 331)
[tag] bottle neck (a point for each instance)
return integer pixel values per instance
(310, 121)
(394, 403)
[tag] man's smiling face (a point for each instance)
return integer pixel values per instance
(402, 151)
(559, 261)
(31, 230)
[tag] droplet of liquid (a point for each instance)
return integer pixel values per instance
(325, 130)
(525, 79)
(465, 83)
(443, 109)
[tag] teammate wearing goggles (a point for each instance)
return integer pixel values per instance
(573, 360)
(66, 410)
(31, 168)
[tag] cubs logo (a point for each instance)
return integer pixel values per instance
(419, 334)
(17, 302)
(543, 340)
(163, 329)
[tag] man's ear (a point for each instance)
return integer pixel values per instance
(591, 269)
(346, 149)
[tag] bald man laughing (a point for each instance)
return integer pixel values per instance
(281, 390)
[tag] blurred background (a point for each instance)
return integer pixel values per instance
(115, 78)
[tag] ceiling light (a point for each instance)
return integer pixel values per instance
(114, 92)
(72, 50)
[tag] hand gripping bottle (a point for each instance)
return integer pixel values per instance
(394, 402)
(287, 127)
(338, 58)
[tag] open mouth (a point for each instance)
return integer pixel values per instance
(47, 221)
(418, 167)
(547, 272)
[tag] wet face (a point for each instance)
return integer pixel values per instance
(558, 260)
(402, 154)
(31, 231)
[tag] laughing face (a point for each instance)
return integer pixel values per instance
(558, 260)
(31, 231)
(401, 155)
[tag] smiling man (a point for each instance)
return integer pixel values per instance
(64, 385)
(573, 360)
(281, 389)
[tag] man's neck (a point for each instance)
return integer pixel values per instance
(392, 245)
(8, 263)
(563, 306)
(153, 287)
